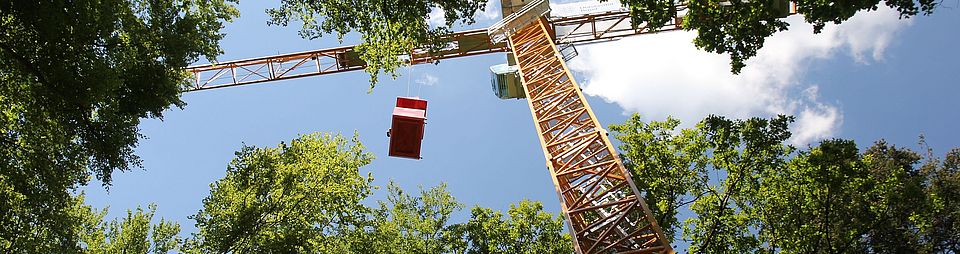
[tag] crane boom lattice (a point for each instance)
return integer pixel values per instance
(579, 29)
(601, 203)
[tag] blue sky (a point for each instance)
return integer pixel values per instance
(879, 78)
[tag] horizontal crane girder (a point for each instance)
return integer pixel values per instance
(565, 30)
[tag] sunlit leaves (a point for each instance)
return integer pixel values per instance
(740, 28)
(748, 192)
(818, 202)
(75, 79)
(528, 229)
(134, 233)
(672, 164)
(412, 224)
(303, 196)
(309, 196)
(389, 29)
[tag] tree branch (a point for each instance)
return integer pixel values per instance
(30, 67)
(722, 207)
(694, 199)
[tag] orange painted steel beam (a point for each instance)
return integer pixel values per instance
(567, 30)
(602, 27)
(323, 61)
(602, 205)
(588, 28)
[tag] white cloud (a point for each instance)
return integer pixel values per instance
(815, 122)
(436, 19)
(428, 80)
(490, 12)
(664, 74)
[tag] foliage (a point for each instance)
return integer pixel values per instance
(88, 232)
(942, 187)
(675, 170)
(811, 205)
(747, 192)
(745, 150)
(527, 230)
(388, 28)
(131, 234)
(308, 197)
(673, 167)
(741, 27)
(406, 224)
(300, 197)
(75, 78)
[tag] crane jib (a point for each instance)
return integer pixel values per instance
(580, 29)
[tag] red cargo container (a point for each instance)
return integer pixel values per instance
(406, 131)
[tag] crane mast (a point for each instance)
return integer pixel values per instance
(603, 208)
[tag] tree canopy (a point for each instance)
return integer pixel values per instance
(740, 28)
(76, 77)
(288, 197)
(748, 192)
(527, 230)
(308, 195)
(388, 29)
(741, 188)
(723, 186)
(134, 233)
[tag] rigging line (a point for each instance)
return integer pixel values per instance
(419, 88)
(409, 73)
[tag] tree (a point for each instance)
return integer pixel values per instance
(528, 229)
(408, 224)
(131, 234)
(302, 197)
(75, 79)
(90, 233)
(897, 198)
(673, 167)
(388, 29)
(744, 150)
(308, 196)
(713, 170)
(819, 203)
(741, 27)
(747, 192)
(942, 187)
(836, 199)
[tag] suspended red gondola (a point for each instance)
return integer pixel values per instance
(406, 131)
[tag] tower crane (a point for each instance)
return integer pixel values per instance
(603, 209)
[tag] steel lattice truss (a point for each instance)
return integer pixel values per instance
(602, 205)
(324, 61)
(565, 30)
